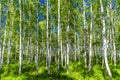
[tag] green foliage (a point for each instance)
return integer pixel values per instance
(76, 72)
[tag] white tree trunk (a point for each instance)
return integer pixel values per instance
(47, 41)
(36, 55)
(105, 42)
(36, 58)
(3, 48)
(65, 57)
(20, 26)
(61, 54)
(59, 36)
(67, 52)
(84, 22)
(90, 46)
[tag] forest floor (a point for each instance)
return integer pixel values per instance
(76, 72)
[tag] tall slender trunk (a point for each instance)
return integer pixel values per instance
(75, 51)
(59, 64)
(36, 55)
(67, 52)
(47, 41)
(20, 26)
(90, 46)
(85, 36)
(105, 42)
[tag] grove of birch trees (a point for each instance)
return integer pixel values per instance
(60, 39)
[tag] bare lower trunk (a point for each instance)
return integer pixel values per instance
(9, 50)
(61, 54)
(36, 58)
(3, 48)
(114, 47)
(67, 56)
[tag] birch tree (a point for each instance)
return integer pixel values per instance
(59, 36)
(36, 55)
(90, 46)
(47, 38)
(84, 23)
(104, 41)
(20, 46)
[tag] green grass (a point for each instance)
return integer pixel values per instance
(76, 72)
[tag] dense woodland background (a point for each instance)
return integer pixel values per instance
(60, 39)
